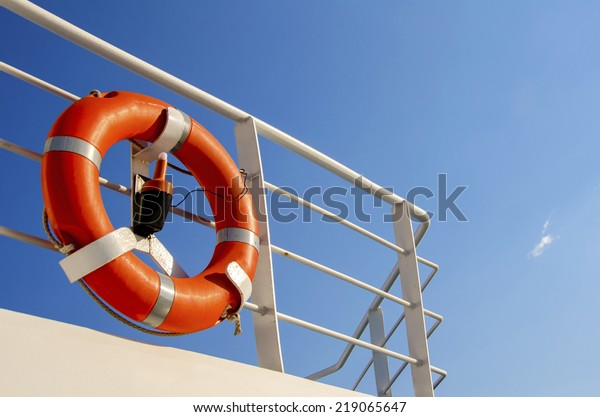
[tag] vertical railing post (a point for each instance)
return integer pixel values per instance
(380, 361)
(266, 328)
(411, 291)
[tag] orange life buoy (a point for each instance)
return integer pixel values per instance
(78, 140)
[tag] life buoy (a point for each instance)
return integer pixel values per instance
(78, 140)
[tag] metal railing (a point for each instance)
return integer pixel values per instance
(247, 131)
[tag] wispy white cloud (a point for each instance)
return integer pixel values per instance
(546, 224)
(542, 246)
(545, 241)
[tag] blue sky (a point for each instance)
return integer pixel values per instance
(502, 97)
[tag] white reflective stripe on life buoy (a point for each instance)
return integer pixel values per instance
(163, 304)
(238, 234)
(176, 130)
(74, 145)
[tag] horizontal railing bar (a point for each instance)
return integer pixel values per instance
(438, 371)
(27, 238)
(339, 275)
(439, 318)
(27, 153)
(333, 216)
(430, 264)
(345, 338)
(22, 75)
(78, 36)
(328, 332)
(252, 307)
(192, 217)
(390, 280)
(19, 150)
(336, 335)
(345, 222)
(255, 308)
(114, 186)
(319, 329)
(320, 267)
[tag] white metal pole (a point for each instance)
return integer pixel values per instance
(15, 72)
(266, 327)
(411, 291)
(24, 237)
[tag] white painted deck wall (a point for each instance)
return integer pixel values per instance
(41, 357)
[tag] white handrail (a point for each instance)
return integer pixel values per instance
(15, 72)
(344, 222)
